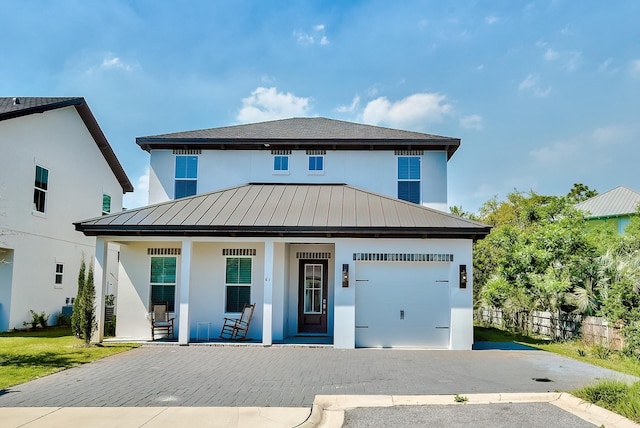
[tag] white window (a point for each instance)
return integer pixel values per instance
(316, 164)
(41, 187)
(238, 283)
(409, 179)
(59, 275)
(106, 204)
(163, 282)
(186, 183)
(281, 164)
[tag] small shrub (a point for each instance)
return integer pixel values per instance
(37, 319)
(460, 399)
(601, 351)
(582, 352)
(607, 392)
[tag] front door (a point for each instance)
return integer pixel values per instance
(312, 296)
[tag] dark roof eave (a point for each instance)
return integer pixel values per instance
(450, 145)
(42, 108)
(284, 231)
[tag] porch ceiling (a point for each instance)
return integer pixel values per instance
(286, 210)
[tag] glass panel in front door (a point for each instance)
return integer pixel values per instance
(313, 289)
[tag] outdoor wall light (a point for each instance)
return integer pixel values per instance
(345, 275)
(463, 276)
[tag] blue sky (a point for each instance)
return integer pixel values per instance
(543, 94)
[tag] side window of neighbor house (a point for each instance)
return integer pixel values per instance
(238, 283)
(41, 187)
(163, 282)
(59, 275)
(186, 183)
(409, 178)
(106, 204)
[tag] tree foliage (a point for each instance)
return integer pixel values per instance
(542, 254)
(83, 319)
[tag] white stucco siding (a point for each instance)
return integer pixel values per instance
(59, 141)
(376, 171)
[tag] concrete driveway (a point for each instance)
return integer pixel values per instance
(286, 376)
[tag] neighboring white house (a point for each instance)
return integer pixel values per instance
(56, 167)
(268, 213)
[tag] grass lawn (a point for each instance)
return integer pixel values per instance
(26, 355)
(612, 395)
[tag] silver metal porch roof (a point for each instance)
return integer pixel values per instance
(286, 210)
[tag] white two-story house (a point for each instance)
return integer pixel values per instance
(56, 167)
(336, 230)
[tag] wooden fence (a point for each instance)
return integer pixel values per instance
(563, 326)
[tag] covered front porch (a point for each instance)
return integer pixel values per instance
(204, 280)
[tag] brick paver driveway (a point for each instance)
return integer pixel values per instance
(293, 376)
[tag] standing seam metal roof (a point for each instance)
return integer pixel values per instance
(285, 209)
(615, 202)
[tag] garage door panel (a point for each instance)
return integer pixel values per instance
(402, 305)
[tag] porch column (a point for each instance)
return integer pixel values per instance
(185, 280)
(267, 307)
(100, 282)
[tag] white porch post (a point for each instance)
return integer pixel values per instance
(100, 283)
(267, 308)
(185, 280)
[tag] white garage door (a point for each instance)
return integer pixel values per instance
(402, 305)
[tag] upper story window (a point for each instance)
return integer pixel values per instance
(281, 164)
(186, 183)
(409, 178)
(316, 161)
(40, 189)
(106, 204)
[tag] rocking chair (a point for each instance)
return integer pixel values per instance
(237, 328)
(160, 321)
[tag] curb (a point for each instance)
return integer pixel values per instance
(328, 410)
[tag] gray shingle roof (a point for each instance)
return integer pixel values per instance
(301, 132)
(619, 201)
(286, 210)
(13, 107)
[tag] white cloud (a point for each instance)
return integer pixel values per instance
(532, 84)
(355, 104)
(110, 62)
(317, 35)
(586, 150)
(551, 54)
(634, 69)
(605, 67)
(269, 104)
(491, 19)
(411, 112)
(140, 196)
(473, 121)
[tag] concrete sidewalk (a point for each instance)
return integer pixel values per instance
(327, 411)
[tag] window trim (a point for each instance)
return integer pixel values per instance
(236, 284)
(106, 195)
(152, 284)
(44, 191)
(177, 179)
(280, 171)
(409, 179)
(315, 171)
(58, 274)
